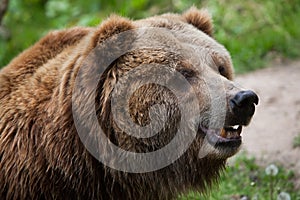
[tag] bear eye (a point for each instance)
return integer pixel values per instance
(187, 73)
(221, 69)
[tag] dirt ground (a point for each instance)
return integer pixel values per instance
(276, 123)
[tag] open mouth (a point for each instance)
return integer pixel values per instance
(228, 136)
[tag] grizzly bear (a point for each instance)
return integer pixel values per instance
(142, 109)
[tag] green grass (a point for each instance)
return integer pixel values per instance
(254, 32)
(245, 178)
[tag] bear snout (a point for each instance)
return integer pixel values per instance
(242, 105)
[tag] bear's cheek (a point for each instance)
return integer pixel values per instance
(152, 102)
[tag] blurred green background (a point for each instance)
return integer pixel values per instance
(254, 32)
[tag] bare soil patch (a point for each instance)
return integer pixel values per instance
(277, 120)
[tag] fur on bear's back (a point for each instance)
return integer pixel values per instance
(41, 155)
(26, 86)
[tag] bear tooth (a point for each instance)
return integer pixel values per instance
(235, 127)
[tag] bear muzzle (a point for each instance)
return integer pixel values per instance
(240, 109)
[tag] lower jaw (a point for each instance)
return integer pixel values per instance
(219, 150)
(215, 139)
(216, 142)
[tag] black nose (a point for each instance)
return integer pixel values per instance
(243, 105)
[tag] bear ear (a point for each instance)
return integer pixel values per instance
(201, 19)
(112, 26)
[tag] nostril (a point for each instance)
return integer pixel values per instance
(245, 98)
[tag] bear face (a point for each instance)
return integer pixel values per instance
(204, 63)
(141, 109)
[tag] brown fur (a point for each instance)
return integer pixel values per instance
(41, 155)
(201, 20)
